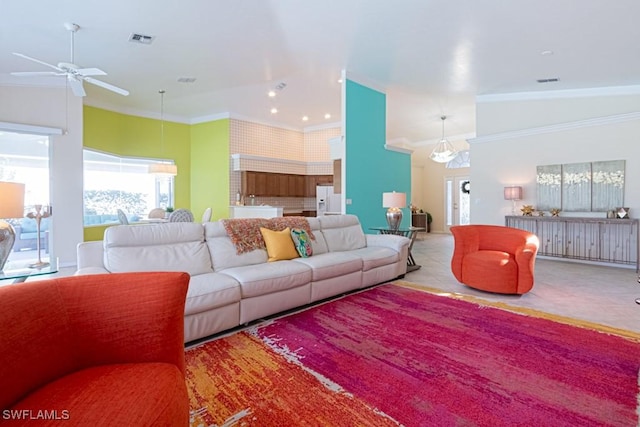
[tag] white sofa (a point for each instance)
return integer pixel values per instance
(226, 289)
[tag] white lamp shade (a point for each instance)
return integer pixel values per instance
(11, 200)
(166, 169)
(513, 193)
(394, 200)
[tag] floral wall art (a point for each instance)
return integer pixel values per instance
(581, 187)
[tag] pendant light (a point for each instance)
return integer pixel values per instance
(162, 168)
(444, 151)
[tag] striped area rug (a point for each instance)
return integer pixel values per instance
(399, 355)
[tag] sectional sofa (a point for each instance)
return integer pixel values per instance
(227, 288)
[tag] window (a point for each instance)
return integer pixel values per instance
(25, 158)
(112, 182)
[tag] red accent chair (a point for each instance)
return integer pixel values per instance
(95, 350)
(494, 258)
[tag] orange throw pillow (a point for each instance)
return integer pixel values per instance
(279, 244)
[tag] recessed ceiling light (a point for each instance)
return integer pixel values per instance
(339, 80)
(271, 94)
(274, 110)
(305, 118)
(327, 116)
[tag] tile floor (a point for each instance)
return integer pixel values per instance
(599, 294)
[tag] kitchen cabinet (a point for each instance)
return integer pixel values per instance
(268, 184)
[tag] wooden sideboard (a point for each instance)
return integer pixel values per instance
(601, 240)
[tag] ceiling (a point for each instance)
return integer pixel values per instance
(430, 57)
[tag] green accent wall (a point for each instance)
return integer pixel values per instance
(210, 168)
(134, 136)
(371, 169)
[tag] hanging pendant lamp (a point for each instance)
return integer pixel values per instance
(162, 168)
(444, 151)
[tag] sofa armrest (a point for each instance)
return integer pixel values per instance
(90, 254)
(391, 241)
(91, 270)
(126, 317)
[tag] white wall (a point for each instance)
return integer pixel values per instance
(516, 136)
(54, 108)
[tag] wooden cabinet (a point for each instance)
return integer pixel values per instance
(296, 185)
(267, 184)
(419, 220)
(590, 239)
(311, 181)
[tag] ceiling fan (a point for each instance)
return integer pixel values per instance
(75, 75)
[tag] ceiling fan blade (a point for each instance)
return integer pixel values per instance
(76, 86)
(107, 86)
(90, 72)
(36, 73)
(38, 61)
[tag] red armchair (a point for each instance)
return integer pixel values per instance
(494, 258)
(95, 350)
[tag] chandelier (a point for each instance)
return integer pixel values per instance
(444, 151)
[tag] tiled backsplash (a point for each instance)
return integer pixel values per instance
(277, 143)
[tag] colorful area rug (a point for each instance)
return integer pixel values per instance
(394, 355)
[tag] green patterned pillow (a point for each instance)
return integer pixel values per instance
(302, 242)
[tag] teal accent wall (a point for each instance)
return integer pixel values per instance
(370, 169)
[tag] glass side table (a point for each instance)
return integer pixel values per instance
(409, 232)
(19, 271)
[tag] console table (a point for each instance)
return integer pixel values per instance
(601, 240)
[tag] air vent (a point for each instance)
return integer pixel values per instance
(141, 38)
(186, 79)
(551, 80)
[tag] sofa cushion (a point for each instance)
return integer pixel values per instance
(318, 244)
(279, 244)
(342, 232)
(177, 246)
(301, 242)
(110, 395)
(331, 264)
(376, 256)
(223, 252)
(270, 277)
(209, 291)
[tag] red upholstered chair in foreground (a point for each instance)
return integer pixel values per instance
(101, 350)
(494, 258)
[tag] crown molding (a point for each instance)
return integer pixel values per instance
(451, 138)
(559, 127)
(558, 94)
(136, 113)
(36, 130)
(397, 149)
(325, 126)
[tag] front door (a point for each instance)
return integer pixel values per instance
(457, 200)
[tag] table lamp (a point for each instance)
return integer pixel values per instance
(11, 206)
(513, 193)
(394, 201)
